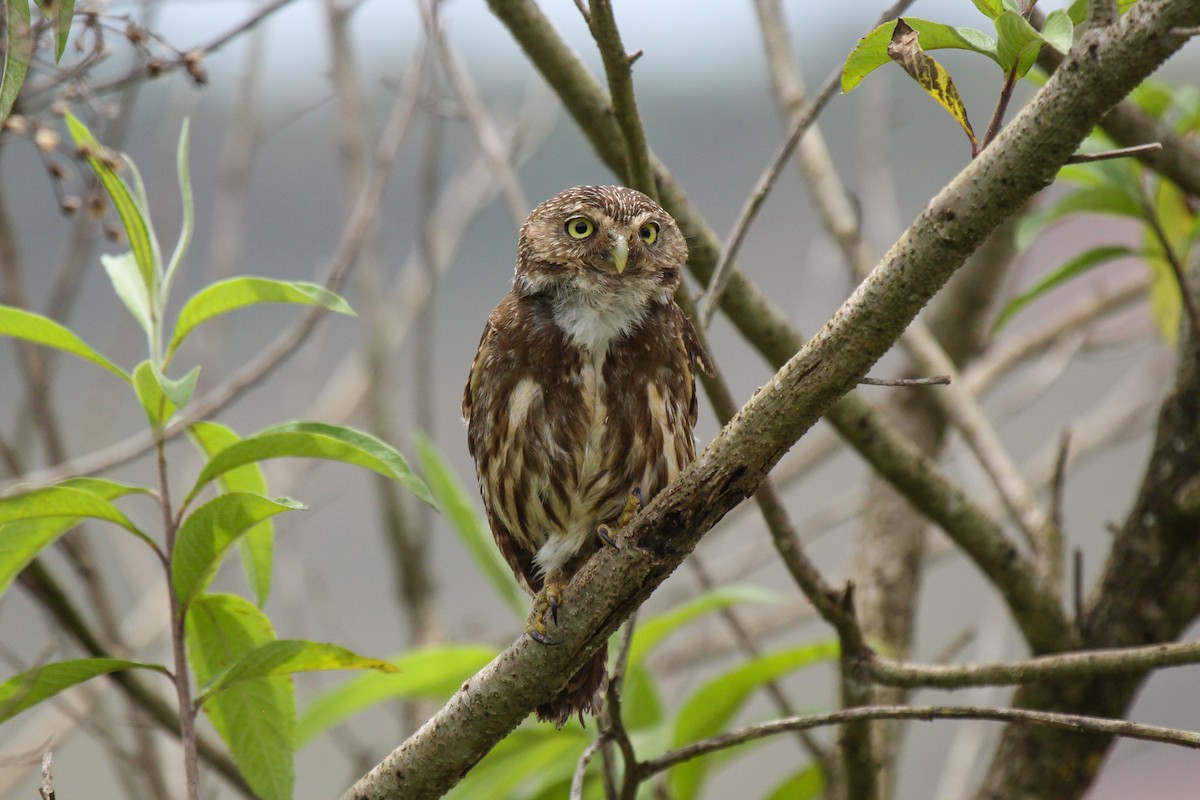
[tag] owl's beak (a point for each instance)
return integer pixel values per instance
(619, 252)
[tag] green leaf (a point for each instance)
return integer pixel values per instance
(21, 324)
(22, 541)
(155, 403)
(1058, 32)
(133, 218)
(209, 531)
(905, 49)
(526, 756)
(178, 392)
(127, 283)
(288, 656)
(230, 295)
(256, 547)
(63, 501)
(641, 704)
(432, 673)
(27, 689)
(1076, 266)
(1018, 43)
(871, 52)
(255, 718)
(989, 8)
(186, 201)
(807, 784)
(18, 48)
(59, 12)
(711, 707)
(469, 525)
(1104, 198)
(102, 487)
(315, 440)
(651, 632)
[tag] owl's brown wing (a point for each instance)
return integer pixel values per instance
(697, 359)
(520, 559)
(695, 350)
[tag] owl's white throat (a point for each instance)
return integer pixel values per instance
(592, 320)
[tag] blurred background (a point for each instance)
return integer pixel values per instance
(274, 183)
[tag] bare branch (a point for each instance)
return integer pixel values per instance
(1064, 665)
(1121, 152)
(1070, 722)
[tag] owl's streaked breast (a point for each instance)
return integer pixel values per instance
(562, 434)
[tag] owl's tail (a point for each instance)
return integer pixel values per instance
(584, 693)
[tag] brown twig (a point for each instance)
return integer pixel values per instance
(766, 182)
(1118, 661)
(932, 380)
(1070, 722)
(1120, 152)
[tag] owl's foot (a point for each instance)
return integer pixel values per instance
(633, 504)
(546, 604)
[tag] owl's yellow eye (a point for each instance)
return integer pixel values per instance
(648, 233)
(580, 227)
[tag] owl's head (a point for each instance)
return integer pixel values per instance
(599, 239)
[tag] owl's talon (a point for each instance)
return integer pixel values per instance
(542, 638)
(606, 535)
(545, 605)
(633, 504)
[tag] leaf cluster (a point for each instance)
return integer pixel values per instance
(242, 668)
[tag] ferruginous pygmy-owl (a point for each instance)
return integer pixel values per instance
(582, 397)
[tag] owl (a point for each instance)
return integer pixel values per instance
(581, 400)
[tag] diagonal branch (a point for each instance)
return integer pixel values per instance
(895, 457)
(1024, 158)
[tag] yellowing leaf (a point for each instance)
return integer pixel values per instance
(905, 49)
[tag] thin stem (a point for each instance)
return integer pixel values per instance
(766, 182)
(180, 675)
(932, 380)
(1070, 722)
(581, 767)
(993, 128)
(1116, 661)
(1172, 259)
(1120, 152)
(638, 173)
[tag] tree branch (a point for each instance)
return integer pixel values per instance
(1069, 722)
(1023, 159)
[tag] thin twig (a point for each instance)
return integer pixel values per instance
(993, 128)
(932, 380)
(708, 302)
(1172, 259)
(716, 285)
(617, 68)
(1070, 722)
(965, 413)
(1035, 670)
(493, 146)
(139, 74)
(1011, 351)
(1058, 483)
(1120, 152)
(614, 723)
(581, 767)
